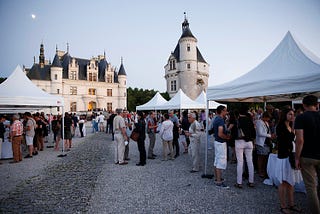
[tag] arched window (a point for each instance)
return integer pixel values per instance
(109, 106)
(73, 106)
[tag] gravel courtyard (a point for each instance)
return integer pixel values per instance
(87, 181)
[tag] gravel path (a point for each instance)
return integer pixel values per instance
(87, 181)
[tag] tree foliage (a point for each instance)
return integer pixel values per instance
(2, 79)
(140, 96)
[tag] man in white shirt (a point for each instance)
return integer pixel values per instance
(194, 134)
(166, 134)
(120, 136)
(101, 122)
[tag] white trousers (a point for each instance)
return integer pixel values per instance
(241, 147)
(119, 148)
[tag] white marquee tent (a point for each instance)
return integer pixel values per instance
(181, 101)
(19, 94)
(153, 104)
(202, 98)
(288, 73)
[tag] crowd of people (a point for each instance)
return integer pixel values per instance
(246, 136)
(31, 131)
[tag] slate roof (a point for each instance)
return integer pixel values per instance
(116, 80)
(121, 70)
(38, 73)
(56, 61)
(187, 33)
(102, 69)
(176, 54)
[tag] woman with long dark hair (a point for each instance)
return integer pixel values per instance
(140, 127)
(283, 171)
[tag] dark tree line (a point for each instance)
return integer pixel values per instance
(136, 97)
(2, 79)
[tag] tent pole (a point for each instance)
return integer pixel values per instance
(205, 175)
(62, 129)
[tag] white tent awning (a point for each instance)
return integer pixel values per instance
(288, 73)
(181, 101)
(17, 91)
(153, 104)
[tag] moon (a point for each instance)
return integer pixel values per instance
(33, 16)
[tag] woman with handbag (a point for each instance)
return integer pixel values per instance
(284, 171)
(244, 137)
(140, 127)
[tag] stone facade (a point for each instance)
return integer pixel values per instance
(186, 68)
(85, 84)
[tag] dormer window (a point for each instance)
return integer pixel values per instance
(172, 64)
(73, 75)
(92, 76)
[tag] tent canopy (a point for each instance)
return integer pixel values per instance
(202, 98)
(181, 101)
(153, 104)
(18, 92)
(288, 73)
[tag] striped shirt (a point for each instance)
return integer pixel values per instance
(17, 127)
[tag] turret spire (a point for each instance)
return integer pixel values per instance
(185, 23)
(41, 56)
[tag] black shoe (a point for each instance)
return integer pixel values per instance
(35, 153)
(176, 155)
(151, 158)
(153, 155)
(28, 156)
(127, 159)
(140, 164)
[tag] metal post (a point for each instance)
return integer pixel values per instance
(205, 175)
(62, 129)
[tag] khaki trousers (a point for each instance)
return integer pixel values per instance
(16, 148)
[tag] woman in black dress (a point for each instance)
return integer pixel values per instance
(284, 172)
(140, 127)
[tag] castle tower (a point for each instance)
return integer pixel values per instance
(122, 79)
(56, 75)
(186, 68)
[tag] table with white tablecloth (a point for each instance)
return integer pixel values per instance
(6, 150)
(272, 162)
(6, 146)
